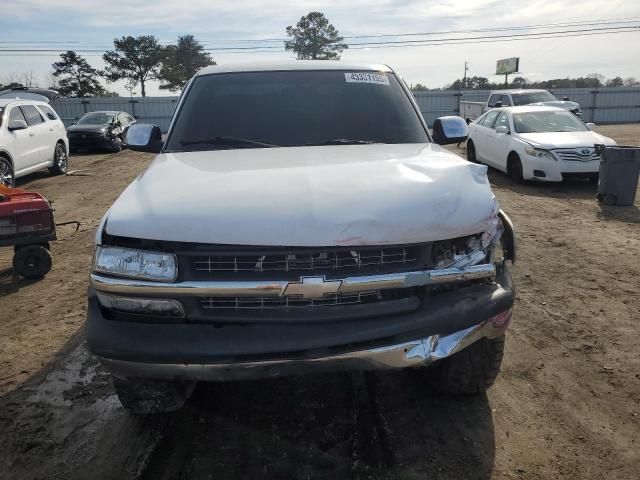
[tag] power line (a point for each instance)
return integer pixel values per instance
(390, 43)
(447, 32)
(375, 45)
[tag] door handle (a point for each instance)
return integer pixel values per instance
(31, 134)
(51, 129)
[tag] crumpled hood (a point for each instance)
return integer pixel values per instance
(567, 105)
(306, 196)
(86, 128)
(551, 140)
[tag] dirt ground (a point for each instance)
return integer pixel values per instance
(567, 404)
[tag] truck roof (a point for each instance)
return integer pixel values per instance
(519, 90)
(294, 65)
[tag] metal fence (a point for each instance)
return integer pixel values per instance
(603, 105)
(156, 110)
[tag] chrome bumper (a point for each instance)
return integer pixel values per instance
(416, 353)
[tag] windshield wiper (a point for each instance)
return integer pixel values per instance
(342, 141)
(227, 142)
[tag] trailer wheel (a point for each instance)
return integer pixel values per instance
(32, 261)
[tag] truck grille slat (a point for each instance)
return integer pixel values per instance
(306, 262)
(288, 302)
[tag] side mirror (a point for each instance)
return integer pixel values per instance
(448, 130)
(144, 137)
(498, 104)
(17, 125)
(502, 129)
(565, 99)
(591, 125)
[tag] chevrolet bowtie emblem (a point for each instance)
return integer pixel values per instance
(313, 288)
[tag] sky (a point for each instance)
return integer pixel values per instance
(93, 24)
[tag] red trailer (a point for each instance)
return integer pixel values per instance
(27, 224)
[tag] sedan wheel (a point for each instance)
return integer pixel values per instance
(6, 173)
(60, 160)
(514, 169)
(471, 152)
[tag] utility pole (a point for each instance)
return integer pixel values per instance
(464, 78)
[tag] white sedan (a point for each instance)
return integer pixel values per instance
(535, 143)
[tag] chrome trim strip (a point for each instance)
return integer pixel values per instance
(416, 353)
(126, 286)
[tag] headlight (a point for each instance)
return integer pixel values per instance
(534, 152)
(127, 262)
(142, 306)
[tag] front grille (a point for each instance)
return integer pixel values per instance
(265, 303)
(577, 155)
(292, 263)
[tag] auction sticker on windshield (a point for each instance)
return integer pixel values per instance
(366, 77)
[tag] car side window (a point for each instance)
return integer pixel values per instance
(48, 112)
(492, 100)
(16, 114)
(489, 119)
(32, 114)
(506, 101)
(502, 121)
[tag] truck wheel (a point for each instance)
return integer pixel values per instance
(60, 160)
(141, 396)
(471, 152)
(470, 371)
(32, 261)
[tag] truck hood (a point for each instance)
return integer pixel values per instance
(306, 196)
(567, 105)
(551, 140)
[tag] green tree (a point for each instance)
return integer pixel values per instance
(315, 38)
(76, 78)
(134, 58)
(418, 87)
(181, 62)
(615, 82)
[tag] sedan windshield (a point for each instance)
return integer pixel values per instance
(96, 118)
(538, 122)
(294, 108)
(533, 97)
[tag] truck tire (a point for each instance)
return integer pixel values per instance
(32, 261)
(142, 397)
(470, 371)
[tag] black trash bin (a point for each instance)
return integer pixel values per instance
(619, 171)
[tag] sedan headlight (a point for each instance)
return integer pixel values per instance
(534, 152)
(128, 262)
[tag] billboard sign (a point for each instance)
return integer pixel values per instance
(508, 65)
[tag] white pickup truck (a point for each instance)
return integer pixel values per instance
(299, 217)
(510, 98)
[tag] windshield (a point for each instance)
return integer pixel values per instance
(294, 108)
(96, 118)
(538, 122)
(533, 97)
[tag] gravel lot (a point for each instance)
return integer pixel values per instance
(567, 404)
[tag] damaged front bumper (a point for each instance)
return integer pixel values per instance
(415, 353)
